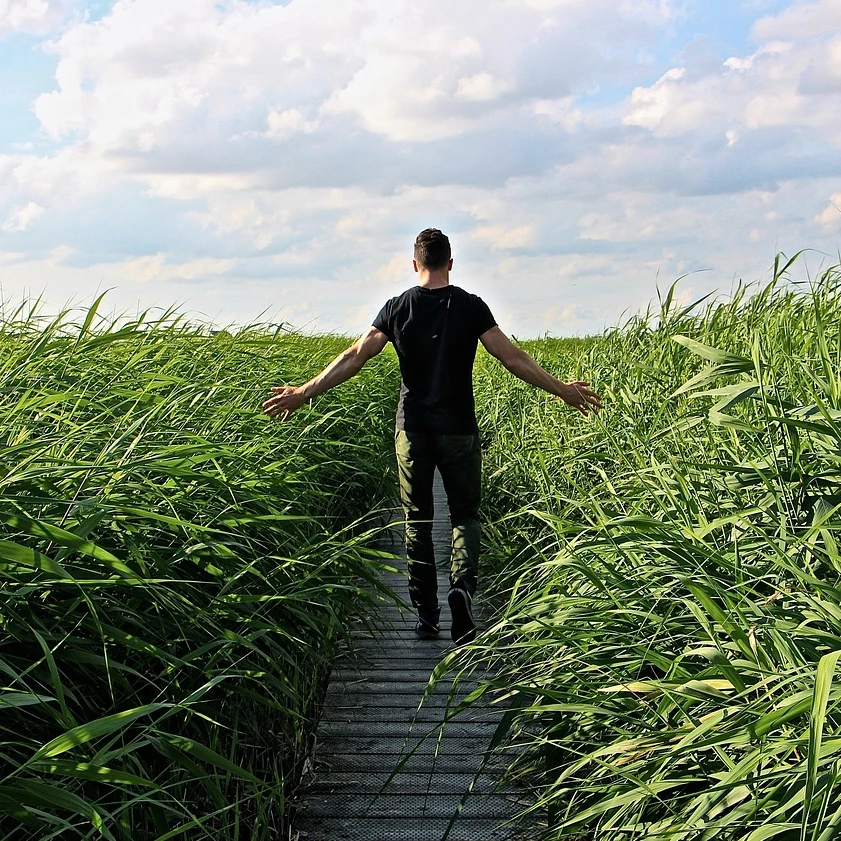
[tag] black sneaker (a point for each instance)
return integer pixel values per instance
(463, 629)
(427, 625)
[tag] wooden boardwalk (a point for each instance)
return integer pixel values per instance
(392, 762)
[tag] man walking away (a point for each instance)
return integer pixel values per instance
(435, 328)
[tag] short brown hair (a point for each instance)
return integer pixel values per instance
(432, 249)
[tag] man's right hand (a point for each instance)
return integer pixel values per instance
(285, 400)
(580, 396)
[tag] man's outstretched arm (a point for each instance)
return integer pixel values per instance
(287, 398)
(577, 394)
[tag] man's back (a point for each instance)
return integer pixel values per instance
(435, 332)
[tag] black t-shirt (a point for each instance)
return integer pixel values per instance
(435, 333)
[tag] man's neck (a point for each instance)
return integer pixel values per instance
(437, 279)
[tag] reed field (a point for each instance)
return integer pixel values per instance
(665, 579)
(174, 571)
(667, 573)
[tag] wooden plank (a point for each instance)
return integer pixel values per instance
(403, 783)
(456, 729)
(399, 829)
(418, 763)
(430, 806)
(420, 688)
(471, 747)
(364, 715)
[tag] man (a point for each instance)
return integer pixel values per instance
(435, 329)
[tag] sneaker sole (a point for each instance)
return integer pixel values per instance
(426, 630)
(463, 629)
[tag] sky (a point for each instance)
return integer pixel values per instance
(247, 160)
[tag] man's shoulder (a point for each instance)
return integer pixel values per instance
(393, 302)
(470, 297)
(403, 296)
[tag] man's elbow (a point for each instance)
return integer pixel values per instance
(513, 361)
(355, 359)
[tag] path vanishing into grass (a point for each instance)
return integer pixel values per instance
(395, 758)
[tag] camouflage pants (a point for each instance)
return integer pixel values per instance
(459, 462)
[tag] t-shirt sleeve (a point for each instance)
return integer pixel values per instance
(484, 319)
(383, 320)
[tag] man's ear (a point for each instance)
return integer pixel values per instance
(415, 265)
(450, 265)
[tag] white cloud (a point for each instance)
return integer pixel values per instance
(482, 87)
(830, 217)
(32, 185)
(397, 265)
(152, 72)
(659, 107)
(802, 20)
(281, 125)
(652, 11)
(154, 65)
(11, 257)
(500, 238)
(562, 112)
(21, 217)
(791, 84)
(245, 216)
(33, 16)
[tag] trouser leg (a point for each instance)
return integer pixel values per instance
(415, 468)
(460, 464)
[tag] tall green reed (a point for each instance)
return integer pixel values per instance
(174, 570)
(670, 571)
